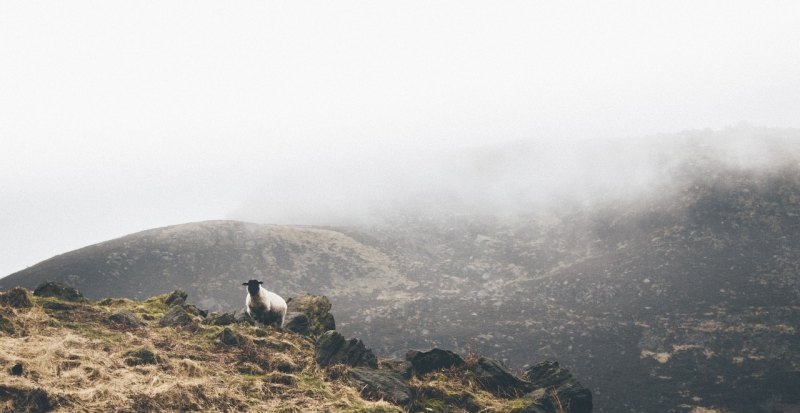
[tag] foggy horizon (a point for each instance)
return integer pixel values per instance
(120, 117)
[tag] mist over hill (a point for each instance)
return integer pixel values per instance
(664, 274)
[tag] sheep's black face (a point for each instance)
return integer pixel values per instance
(253, 286)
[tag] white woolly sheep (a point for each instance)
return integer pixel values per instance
(264, 306)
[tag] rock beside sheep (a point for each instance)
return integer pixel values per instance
(333, 348)
(297, 323)
(317, 309)
(216, 319)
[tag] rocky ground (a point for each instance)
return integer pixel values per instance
(62, 352)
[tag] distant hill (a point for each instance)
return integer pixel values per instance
(211, 259)
(684, 299)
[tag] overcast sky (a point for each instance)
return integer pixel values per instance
(118, 116)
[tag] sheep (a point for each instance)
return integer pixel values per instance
(264, 306)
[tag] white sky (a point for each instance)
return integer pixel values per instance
(118, 116)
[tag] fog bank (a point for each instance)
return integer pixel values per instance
(505, 179)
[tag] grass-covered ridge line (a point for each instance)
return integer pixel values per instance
(70, 356)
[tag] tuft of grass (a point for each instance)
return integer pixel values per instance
(141, 356)
(560, 408)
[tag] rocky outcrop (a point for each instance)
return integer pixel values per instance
(495, 378)
(241, 316)
(401, 367)
(125, 320)
(297, 323)
(178, 317)
(58, 290)
(436, 359)
(381, 384)
(177, 297)
(556, 385)
(229, 338)
(333, 348)
(217, 319)
(316, 308)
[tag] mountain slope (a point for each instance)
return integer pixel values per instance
(689, 299)
(211, 259)
(118, 355)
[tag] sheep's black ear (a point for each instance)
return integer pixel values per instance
(244, 283)
(261, 282)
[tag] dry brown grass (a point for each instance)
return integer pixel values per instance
(456, 390)
(560, 408)
(80, 362)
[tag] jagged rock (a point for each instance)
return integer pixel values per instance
(332, 348)
(177, 297)
(298, 323)
(317, 308)
(381, 384)
(16, 297)
(241, 316)
(58, 290)
(125, 320)
(548, 375)
(16, 369)
(436, 359)
(178, 317)
(492, 376)
(193, 310)
(230, 338)
(24, 400)
(216, 319)
(141, 356)
(401, 367)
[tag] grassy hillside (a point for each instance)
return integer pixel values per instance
(76, 357)
(211, 259)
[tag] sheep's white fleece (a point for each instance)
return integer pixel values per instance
(266, 302)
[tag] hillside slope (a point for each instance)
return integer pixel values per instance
(211, 259)
(119, 355)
